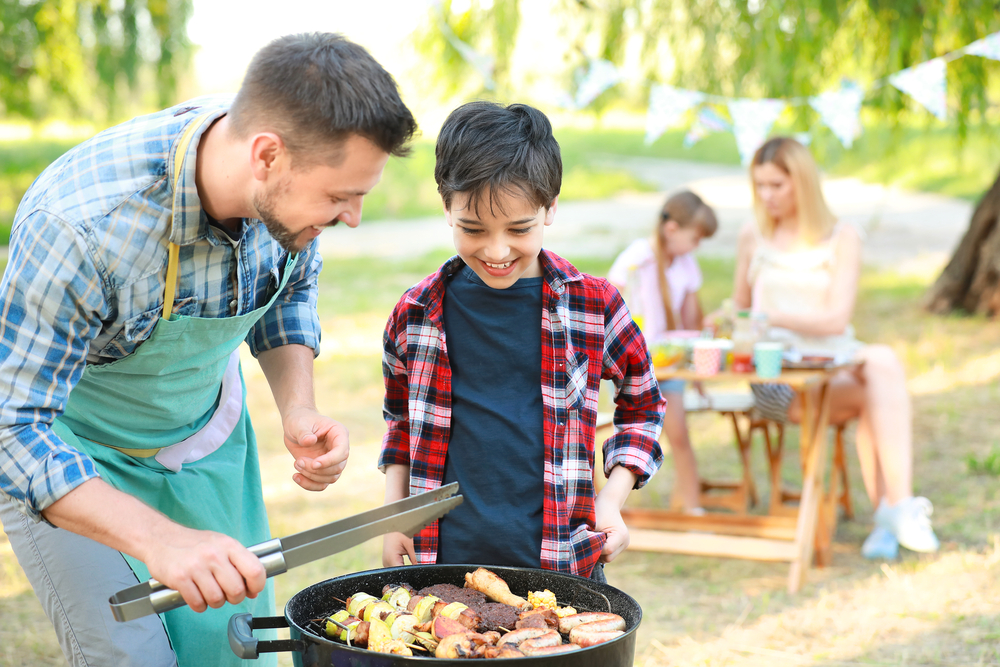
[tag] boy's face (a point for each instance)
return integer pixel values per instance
(500, 247)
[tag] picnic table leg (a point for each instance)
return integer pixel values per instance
(815, 420)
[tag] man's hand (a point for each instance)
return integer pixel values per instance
(208, 569)
(320, 446)
(394, 547)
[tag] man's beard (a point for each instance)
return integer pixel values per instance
(286, 238)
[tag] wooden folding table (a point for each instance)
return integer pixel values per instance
(780, 536)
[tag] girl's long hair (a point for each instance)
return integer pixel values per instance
(687, 210)
(815, 219)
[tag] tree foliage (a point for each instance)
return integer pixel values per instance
(88, 55)
(762, 48)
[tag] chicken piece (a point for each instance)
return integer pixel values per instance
(505, 651)
(532, 621)
(462, 645)
(494, 588)
(539, 618)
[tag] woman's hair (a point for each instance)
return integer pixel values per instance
(687, 210)
(815, 219)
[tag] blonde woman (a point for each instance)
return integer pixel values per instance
(660, 277)
(800, 267)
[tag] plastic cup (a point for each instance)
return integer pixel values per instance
(767, 359)
(707, 357)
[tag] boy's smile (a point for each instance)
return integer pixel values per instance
(501, 237)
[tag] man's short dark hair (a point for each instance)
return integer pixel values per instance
(485, 149)
(315, 90)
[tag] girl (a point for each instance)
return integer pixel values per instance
(800, 268)
(660, 278)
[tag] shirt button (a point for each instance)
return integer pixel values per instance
(233, 304)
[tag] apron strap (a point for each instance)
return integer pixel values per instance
(173, 251)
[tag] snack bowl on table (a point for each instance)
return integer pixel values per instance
(312, 648)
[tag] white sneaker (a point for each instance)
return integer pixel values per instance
(880, 545)
(910, 521)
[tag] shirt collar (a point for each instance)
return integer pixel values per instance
(190, 223)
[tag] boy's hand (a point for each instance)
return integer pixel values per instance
(394, 547)
(610, 522)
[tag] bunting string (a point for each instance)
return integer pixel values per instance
(752, 119)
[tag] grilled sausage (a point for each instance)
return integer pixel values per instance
(567, 623)
(550, 638)
(584, 637)
(517, 636)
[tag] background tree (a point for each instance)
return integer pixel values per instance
(795, 49)
(89, 56)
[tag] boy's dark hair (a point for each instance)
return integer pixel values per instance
(314, 90)
(485, 149)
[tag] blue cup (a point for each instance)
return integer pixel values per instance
(767, 359)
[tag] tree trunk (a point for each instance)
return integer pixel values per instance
(971, 281)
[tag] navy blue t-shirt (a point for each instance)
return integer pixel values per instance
(496, 452)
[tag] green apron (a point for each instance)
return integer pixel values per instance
(169, 425)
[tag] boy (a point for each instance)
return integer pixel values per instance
(493, 364)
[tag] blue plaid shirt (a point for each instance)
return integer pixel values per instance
(85, 283)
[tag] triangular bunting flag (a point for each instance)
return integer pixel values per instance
(601, 76)
(752, 120)
(839, 110)
(666, 106)
(926, 84)
(707, 121)
(987, 47)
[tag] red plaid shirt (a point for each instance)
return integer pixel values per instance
(587, 335)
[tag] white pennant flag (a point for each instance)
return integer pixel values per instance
(839, 110)
(601, 76)
(752, 120)
(987, 47)
(926, 84)
(666, 106)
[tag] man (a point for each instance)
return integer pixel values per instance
(139, 261)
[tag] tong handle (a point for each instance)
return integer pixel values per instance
(270, 555)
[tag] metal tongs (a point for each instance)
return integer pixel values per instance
(279, 555)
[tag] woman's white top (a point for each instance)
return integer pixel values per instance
(683, 277)
(797, 281)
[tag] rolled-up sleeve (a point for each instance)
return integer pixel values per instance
(51, 306)
(292, 319)
(639, 405)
